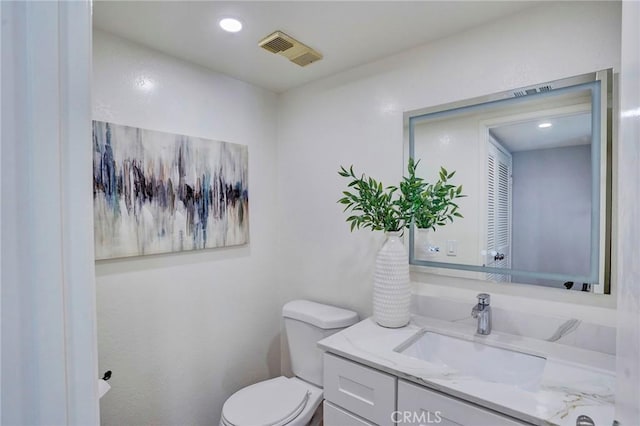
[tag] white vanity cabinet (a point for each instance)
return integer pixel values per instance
(357, 395)
(418, 405)
(336, 416)
(368, 393)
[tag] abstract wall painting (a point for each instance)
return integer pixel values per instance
(156, 192)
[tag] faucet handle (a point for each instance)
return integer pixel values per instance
(484, 299)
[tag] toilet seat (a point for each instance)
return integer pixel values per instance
(274, 402)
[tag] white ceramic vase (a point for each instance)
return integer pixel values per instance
(391, 285)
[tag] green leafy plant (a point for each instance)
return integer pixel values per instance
(435, 205)
(375, 207)
(394, 208)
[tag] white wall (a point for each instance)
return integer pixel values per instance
(628, 337)
(182, 332)
(355, 117)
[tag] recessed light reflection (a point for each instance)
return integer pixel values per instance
(630, 113)
(389, 108)
(145, 84)
(544, 125)
(230, 25)
(445, 140)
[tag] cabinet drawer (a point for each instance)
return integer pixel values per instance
(421, 406)
(362, 390)
(336, 416)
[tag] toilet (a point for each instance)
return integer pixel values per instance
(291, 401)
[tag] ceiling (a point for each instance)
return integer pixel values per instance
(346, 33)
(565, 130)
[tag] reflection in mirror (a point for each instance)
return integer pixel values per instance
(534, 165)
(540, 195)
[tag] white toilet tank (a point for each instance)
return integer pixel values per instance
(306, 323)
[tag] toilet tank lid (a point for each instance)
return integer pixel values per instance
(319, 315)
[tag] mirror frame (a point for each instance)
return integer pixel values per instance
(600, 83)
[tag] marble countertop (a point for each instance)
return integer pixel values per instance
(575, 381)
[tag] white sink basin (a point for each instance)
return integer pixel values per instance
(469, 358)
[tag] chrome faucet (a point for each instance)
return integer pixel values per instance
(482, 311)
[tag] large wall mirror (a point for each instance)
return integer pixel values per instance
(535, 164)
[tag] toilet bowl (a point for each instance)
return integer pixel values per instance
(291, 401)
(276, 402)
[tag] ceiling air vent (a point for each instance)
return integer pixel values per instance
(533, 90)
(289, 47)
(276, 44)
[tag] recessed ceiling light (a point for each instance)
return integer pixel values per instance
(231, 25)
(544, 125)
